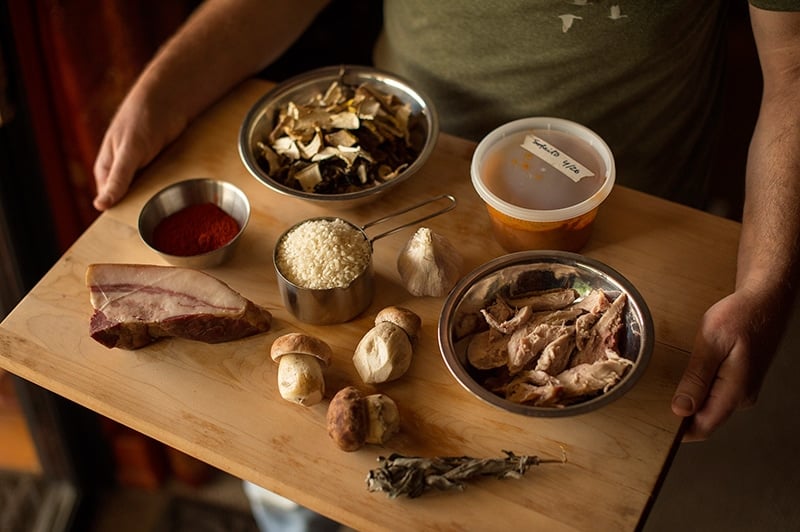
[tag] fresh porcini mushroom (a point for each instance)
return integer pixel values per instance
(348, 419)
(354, 420)
(429, 265)
(384, 418)
(384, 353)
(301, 358)
(404, 318)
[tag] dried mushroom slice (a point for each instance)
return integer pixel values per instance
(345, 139)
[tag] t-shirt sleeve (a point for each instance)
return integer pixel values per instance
(777, 5)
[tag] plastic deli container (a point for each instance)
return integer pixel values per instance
(543, 180)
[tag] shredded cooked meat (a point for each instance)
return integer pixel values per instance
(551, 348)
(527, 343)
(487, 350)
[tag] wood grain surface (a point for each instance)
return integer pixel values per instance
(220, 403)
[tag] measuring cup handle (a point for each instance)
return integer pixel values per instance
(450, 206)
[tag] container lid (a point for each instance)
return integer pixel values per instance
(518, 128)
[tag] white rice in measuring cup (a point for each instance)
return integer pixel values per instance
(323, 253)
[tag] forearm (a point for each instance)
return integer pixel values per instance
(770, 239)
(768, 249)
(223, 42)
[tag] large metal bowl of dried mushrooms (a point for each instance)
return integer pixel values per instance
(546, 333)
(338, 136)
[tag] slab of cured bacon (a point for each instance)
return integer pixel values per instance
(136, 304)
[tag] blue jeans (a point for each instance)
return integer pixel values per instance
(274, 513)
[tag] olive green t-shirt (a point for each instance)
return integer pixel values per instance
(644, 75)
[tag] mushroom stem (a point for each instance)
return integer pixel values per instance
(300, 379)
(301, 358)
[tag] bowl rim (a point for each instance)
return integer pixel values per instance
(191, 182)
(635, 300)
(328, 73)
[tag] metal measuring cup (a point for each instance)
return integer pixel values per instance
(341, 304)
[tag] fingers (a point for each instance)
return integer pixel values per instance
(102, 167)
(717, 408)
(715, 381)
(695, 383)
(114, 169)
(700, 372)
(114, 186)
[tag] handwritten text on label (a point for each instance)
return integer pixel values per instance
(556, 158)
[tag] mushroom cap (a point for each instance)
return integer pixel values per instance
(348, 419)
(383, 354)
(404, 318)
(301, 344)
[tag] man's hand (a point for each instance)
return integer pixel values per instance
(131, 141)
(732, 352)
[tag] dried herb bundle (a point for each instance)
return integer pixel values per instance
(413, 476)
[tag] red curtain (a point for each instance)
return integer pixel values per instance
(77, 60)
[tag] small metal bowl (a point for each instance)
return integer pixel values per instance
(180, 195)
(541, 270)
(260, 120)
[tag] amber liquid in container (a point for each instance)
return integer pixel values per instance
(514, 234)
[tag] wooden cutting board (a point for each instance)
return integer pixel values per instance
(220, 403)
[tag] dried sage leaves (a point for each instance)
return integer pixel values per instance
(413, 476)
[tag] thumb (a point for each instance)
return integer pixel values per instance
(696, 381)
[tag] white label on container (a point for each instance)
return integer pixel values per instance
(556, 158)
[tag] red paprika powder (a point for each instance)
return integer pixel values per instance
(194, 230)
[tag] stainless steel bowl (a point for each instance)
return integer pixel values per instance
(260, 120)
(180, 195)
(540, 270)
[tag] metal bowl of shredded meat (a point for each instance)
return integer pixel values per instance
(546, 333)
(338, 136)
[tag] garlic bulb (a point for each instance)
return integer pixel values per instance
(429, 265)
